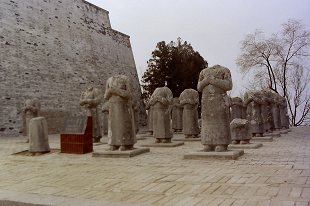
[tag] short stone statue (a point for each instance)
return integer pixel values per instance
(236, 108)
(215, 129)
(150, 111)
(240, 131)
(189, 99)
(161, 99)
(283, 112)
(90, 100)
(177, 115)
(31, 110)
(254, 100)
(105, 118)
(38, 136)
(119, 92)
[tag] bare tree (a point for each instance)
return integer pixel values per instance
(276, 63)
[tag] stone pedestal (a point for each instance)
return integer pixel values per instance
(38, 136)
(228, 155)
(172, 144)
(187, 139)
(274, 134)
(261, 139)
(121, 154)
(245, 146)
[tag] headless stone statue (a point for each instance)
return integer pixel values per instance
(177, 115)
(150, 111)
(105, 118)
(240, 131)
(38, 136)
(254, 100)
(119, 92)
(90, 100)
(31, 110)
(215, 129)
(283, 112)
(236, 108)
(189, 99)
(161, 99)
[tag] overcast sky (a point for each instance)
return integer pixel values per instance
(213, 27)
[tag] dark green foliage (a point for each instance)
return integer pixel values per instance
(175, 64)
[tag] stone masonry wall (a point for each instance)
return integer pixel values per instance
(53, 50)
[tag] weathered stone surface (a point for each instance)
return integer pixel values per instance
(105, 118)
(53, 49)
(189, 99)
(266, 112)
(119, 92)
(135, 107)
(275, 111)
(161, 99)
(177, 115)
(236, 109)
(283, 113)
(228, 155)
(160, 144)
(245, 146)
(89, 101)
(31, 110)
(240, 131)
(261, 139)
(150, 111)
(121, 154)
(38, 136)
(215, 130)
(254, 100)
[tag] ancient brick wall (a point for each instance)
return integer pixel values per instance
(53, 50)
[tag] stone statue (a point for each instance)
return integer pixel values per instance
(189, 99)
(215, 129)
(254, 100)
(31, 110)
(161, 99)
(283, 112)
(135, 107)
(38, 136)
(105, 118)
(266, 112)
(177, 115)
(119, 92)
(150, 111)
(89, 101)
(236, 108)
(240, 131)
(275, 111)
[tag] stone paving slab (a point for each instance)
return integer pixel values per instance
(261, 139)
(274, 134)
(187, 139)
(172, 144)
(228, 155)
(119, 154)
(276, 174)
(245, 146)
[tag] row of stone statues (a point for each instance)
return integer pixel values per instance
(260, 112)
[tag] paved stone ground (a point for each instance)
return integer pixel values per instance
(276, 174)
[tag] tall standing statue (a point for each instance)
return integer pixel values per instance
(119, 92)
(275, 111)
(177, 115)
(236, 108)
(150, 110)
(254, 100)
(283, 112)
(105, 118)
(189, 99)
(266, 112)
(31, 109)
(215, 129)
(90, 100)
(161, 99)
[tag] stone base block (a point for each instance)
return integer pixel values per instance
(261, 139)
(99, 143)
(274, 134)
(141, 138)
(228, 155)
(245, 146)
(283, 131)
(187, 139)
(172, 144)
(122, 154)
(289, 130)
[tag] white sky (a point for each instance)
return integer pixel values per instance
(213, 27)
